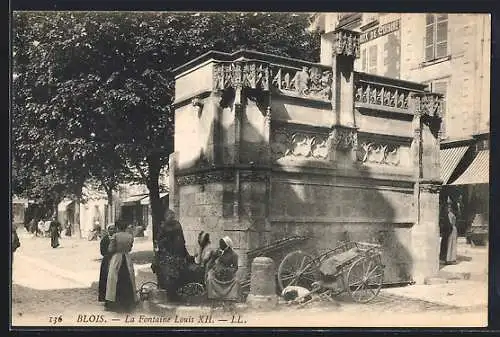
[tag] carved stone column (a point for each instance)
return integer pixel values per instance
(343, 137)
(425, 234)
(343, 140)
(345, 51)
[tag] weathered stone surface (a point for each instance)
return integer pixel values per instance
(262, 283)
(314, 156)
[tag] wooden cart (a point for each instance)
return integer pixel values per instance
(352, 267)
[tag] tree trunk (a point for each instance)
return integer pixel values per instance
(109, 193)
(76, 221)
(157, 215)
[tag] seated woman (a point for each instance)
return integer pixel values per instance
(221, 281)
(197, 269)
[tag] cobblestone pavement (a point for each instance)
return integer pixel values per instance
(41, 289)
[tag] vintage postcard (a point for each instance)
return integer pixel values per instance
(208, 169)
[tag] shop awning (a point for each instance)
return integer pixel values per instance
(449, 161)
(133, 200)
(478, 172)
(145, 201)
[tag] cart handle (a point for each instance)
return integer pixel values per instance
(368, 244)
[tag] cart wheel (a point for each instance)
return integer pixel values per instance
(364, 279)
(297, 269)
(146, 289)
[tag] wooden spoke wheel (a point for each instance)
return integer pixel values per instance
(297, 269)
(146, 289)
(364, 279)
(192, 289)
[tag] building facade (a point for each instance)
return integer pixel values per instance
(450, 53)
(281, 147)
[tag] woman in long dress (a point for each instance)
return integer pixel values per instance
(121, 292)
(106, 256)
(55, 232)
(172, 256)
(222, 282)
(448, 249)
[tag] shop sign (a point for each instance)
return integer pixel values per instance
(379, 31)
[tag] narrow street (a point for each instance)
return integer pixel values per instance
(62, 282)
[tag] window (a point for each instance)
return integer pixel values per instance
(441, 87)
(363, 60)
(372, 65)
(436, 36)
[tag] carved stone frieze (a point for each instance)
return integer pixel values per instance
(346, 43)
(245, 74)
(205, 178)
(430, 187)
(343, 138)
(380, 95)
(253, 176)
(312, 82)
(286, 143)
(372, 152)
(309, 82)
(429, 104)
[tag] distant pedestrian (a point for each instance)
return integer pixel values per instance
(106, 256)
(55, 232)
(41, 227)
(448, 249)
(68, 228)
(15, 242)
(121, 292)
(33, 227)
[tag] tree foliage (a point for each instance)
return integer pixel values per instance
(93, 91)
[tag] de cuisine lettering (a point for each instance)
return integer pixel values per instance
(380, 31)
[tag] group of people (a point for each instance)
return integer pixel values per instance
(172, 264)
(175, 267)
(51, 227)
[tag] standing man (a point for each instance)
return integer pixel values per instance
(55, 232)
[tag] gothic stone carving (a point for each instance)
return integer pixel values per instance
(344, 138)
(346, 43)
(429, 104)
(205, 178)
(312, 82)
(380, 95)
(249, 74)
(430, 188)
(252, 176)
(371, 152)
(286, 143)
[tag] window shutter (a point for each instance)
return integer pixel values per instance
(441, 39)
(429, 42)
(363, 60)
(373, 59)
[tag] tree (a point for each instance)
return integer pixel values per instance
(95, 84)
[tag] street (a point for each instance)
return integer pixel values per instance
(59, 287)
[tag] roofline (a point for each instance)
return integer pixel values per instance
(245, 53)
